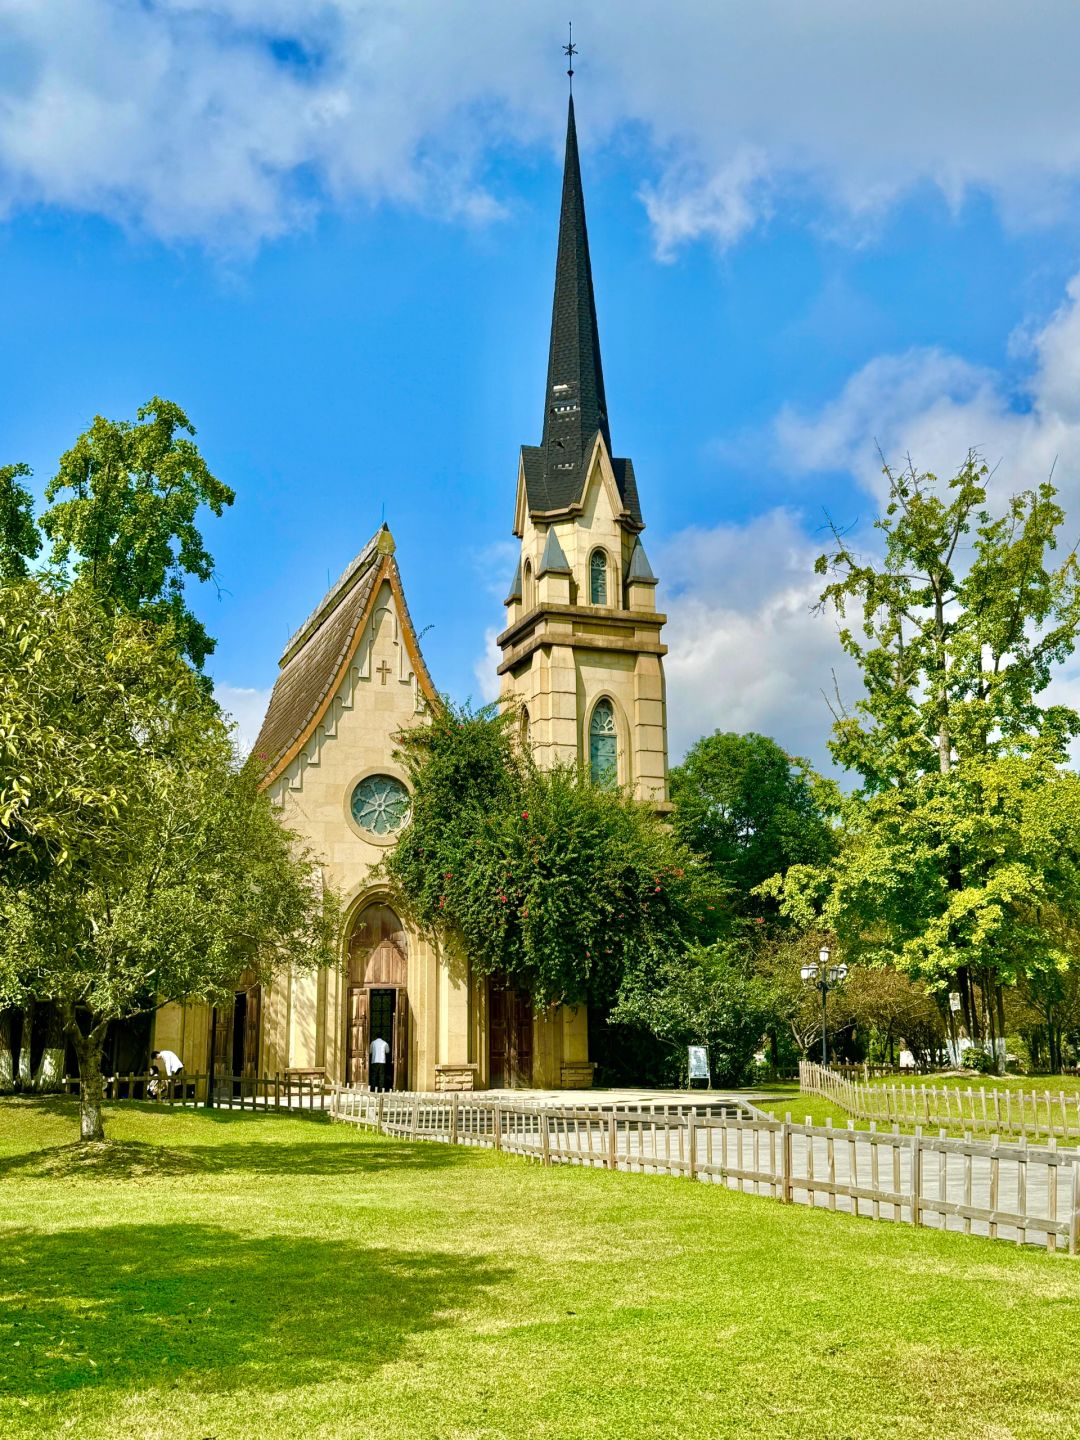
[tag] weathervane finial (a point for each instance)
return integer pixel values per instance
(570, 51)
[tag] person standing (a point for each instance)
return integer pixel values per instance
(379, 1054)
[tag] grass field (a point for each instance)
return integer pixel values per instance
(218, 1276)
(1040, 1083)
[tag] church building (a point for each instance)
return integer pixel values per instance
(582, 662)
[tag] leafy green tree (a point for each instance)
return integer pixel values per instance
(137, 865)
(19, 538)
(752, 811)
(963, 835)
(125, 500)
(709, 995)
(563, 886)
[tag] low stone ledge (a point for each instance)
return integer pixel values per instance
(456, 1077)
(577, 1075)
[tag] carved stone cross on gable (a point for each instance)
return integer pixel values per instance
(383, 670)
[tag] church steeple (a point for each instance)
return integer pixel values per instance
(575, 407)
(574, 404)
(582, 653)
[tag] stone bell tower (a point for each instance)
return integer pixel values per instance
(581, 652)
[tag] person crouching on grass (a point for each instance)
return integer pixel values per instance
(167, 1066)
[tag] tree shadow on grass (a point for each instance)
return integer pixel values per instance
(136, 1160)
(132, 1306)
(284, 1151)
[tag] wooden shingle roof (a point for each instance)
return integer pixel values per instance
(317, 655)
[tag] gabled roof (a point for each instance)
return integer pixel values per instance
(575, 407)
(318, 654)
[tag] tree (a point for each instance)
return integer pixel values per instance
(709, 995)
(139, 866)
(19, 538)
(752, 811)
(563, 886)
(123, 517)
(962, 836)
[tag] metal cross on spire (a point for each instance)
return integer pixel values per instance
(570, 51)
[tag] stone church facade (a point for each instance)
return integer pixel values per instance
(581, 661)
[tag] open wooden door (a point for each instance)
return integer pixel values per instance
(400, 1047)
(252, 1019)
(356, 1064)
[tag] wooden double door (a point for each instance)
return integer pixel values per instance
(235, 1030)
(510, 1036)
(377, 1013)
(377, 1001)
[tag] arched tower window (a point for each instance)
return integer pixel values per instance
(603, 746)
(525, 732)
(598, 580)
(528, 592)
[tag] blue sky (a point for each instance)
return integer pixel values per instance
(328, 232)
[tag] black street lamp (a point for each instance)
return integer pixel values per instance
(824, 976)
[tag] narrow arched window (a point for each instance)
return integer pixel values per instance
(598, 577)
(526, 728)
(603, 746)
(528, 596)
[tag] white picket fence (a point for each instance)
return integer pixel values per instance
(1017, 1192)
(1032, 1115)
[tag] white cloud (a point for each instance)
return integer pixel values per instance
(246, 708)
(230, 121)
(935, 407)
(494, 565)
(486, 667)
(746, 649)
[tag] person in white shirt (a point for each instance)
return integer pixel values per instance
(379, 1053)
(168, 1065)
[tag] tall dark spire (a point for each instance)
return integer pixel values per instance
(575, 407)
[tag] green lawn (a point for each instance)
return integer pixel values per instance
(784, 1098)
(1040, 1083)
(250, 1278)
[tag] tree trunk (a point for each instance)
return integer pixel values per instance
(999, 1043)
(88, 1051)
(7, 1059)
(50, 1069)
(91, 1090)
(26, 1074)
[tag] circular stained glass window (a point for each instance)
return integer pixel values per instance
(380, 804)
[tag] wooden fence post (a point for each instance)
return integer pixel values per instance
(379, 1114)
(613, 1142)
(787, 1189)
(1074, 1211)
(916, 1176)
(498, 1126)
(545, 1138)
(453, 1119)
(691, 1147)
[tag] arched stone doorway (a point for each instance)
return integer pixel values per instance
(377, 998)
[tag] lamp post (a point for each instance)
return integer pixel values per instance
(824, 976)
